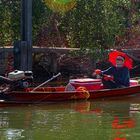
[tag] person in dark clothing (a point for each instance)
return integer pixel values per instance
(120, 75)
(116, 77)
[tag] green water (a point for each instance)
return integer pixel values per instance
(87, 120)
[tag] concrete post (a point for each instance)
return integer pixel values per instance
(23, 59)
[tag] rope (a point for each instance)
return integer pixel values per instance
(84, 91)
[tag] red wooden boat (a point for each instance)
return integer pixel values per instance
(53, 94)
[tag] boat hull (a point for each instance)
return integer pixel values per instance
(58, 94)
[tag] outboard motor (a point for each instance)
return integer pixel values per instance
(18, 79)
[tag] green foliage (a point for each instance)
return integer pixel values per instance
(9, 21)
(41, 16)
(92, 24)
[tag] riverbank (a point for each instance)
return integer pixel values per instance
(49, 61)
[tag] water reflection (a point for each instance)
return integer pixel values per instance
(122, 123)
(85, 107)
(11, 134)
(99, 120)
(126, 122)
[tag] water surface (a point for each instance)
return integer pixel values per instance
(113, 119)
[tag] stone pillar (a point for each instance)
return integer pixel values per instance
(23, 48)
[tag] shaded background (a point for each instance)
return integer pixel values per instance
(92, 26)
